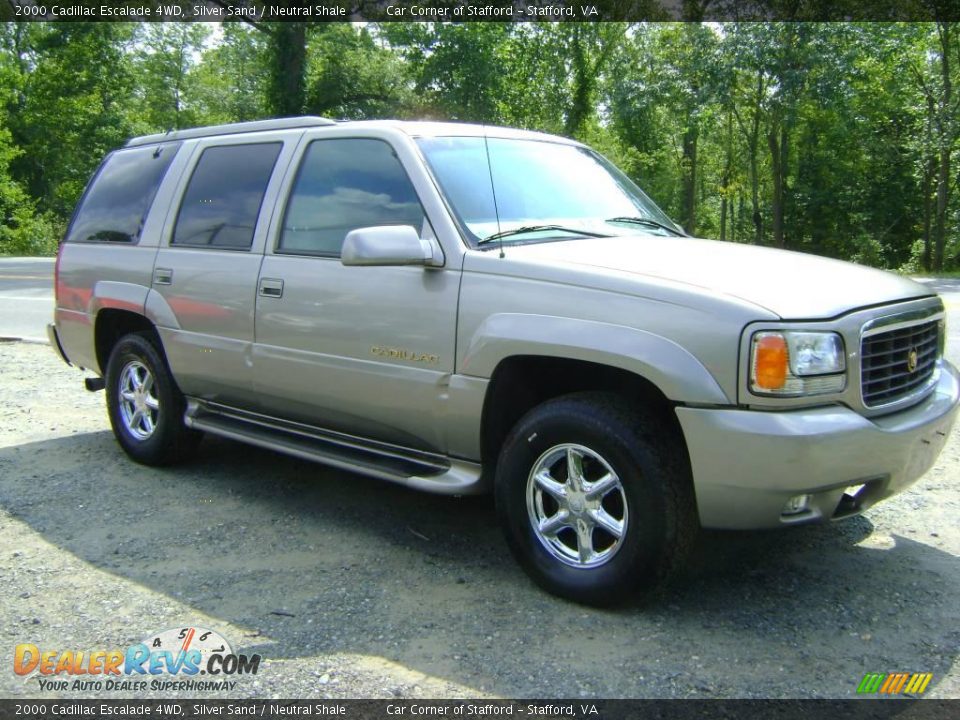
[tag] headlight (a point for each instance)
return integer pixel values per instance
(790, 362)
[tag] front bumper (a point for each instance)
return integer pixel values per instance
(748, 464)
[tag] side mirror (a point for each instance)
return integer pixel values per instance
(389, 245)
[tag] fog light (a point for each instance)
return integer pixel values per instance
(796, 505)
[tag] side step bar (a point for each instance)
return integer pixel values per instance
(413, 468)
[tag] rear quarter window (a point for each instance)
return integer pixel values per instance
(118, 199)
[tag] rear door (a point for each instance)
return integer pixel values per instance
(205, 273)
(361, 350)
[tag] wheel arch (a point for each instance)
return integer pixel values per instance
(111, 324)
(520, 383)
(670, 367)
(533, 358)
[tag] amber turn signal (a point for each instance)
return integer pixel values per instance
(770, 361)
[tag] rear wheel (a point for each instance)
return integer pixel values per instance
(595, 500)
(145, 405)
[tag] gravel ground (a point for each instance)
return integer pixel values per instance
(350, 587)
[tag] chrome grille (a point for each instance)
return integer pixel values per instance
(899, 362)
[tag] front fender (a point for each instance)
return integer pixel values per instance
(677, 373)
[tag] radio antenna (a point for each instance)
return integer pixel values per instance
(493, 189)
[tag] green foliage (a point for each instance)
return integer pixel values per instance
(460, 71)
(352, 76)
(77, 82)
(165, 57)
(230, 81)
(22, 230)
(833, 138)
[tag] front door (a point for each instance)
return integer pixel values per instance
(360, 350)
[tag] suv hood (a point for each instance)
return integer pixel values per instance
(793, 285)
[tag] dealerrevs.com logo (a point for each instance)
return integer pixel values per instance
(171, 660)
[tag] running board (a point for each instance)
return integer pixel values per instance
(420, 470)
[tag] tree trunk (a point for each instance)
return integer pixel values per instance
(690, 137)
(755, 193)
(929, 172)
(723, 217)
(583, 84)
(289, 60)
(943, 196)
(739, 229)
(945, 133)
(725, 178)
(754, 175)
(777, 141)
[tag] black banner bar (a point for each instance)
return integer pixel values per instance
(479, 10)
(174, 709)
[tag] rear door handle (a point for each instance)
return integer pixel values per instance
(271, 287)
(163, 276)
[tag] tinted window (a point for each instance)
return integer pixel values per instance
(116, 203)
(222, 201)
(343, 185)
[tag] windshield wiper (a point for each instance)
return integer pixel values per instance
(646, 221)
(537, 228)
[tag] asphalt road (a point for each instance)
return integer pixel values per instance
(949, 289)
(26, 297)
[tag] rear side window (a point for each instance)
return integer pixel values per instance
(115, 205)
(222, 201)
(343, 185)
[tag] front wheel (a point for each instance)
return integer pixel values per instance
(145, 405)
(595, 500)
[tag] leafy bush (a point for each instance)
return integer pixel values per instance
(26, 233)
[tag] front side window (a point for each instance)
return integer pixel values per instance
(116, 204)
(342, 185)
(222, 201)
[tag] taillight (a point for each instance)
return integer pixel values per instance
(56, 275)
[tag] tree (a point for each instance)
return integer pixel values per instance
(76, 106)
(589, 47)
(352, 76)
(166, 56)
(230, 82)
(286, 55)
(460, 70)
(667, 82)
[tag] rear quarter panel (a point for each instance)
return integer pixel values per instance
(94, 276)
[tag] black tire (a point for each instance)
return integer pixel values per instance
(169, 441)
(653, 504)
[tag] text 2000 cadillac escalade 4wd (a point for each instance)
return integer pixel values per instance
(458, 308)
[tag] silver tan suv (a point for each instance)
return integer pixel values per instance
(461, 308)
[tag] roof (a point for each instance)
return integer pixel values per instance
(414, 128)
(425, 128)
(231, 129)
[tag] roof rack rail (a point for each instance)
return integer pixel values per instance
(231, 129)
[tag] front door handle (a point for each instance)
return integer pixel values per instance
(271, 288)
(163, 276)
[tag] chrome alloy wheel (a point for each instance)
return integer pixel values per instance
(577, 506)
(139, 406)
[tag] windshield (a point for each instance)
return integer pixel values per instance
(568, 189)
